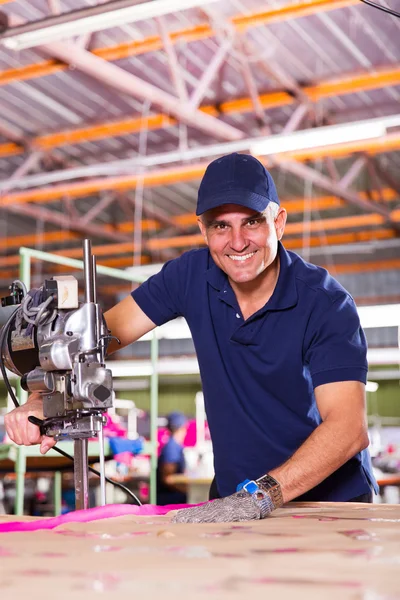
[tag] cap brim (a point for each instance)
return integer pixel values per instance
(245, 198)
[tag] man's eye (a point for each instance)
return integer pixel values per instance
(219, 226)
(253, 222)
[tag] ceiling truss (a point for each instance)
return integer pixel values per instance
(88, 197)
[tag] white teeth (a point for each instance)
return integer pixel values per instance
(243, 257)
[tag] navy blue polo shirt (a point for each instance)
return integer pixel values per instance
(259, 374)
(172, 452)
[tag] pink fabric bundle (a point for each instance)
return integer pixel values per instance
(91, 514)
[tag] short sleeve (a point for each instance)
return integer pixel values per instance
(336, 348)
(171, 453)
(161, 296)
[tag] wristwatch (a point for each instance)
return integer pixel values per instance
(273, 488)
(261, 499)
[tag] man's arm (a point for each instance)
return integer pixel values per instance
(167, 472)
(128, 323)
(342, 434)
(21, 431)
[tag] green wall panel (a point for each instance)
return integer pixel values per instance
(171, 397)
(385, 402)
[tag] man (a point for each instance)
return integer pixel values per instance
(281, 353)
(172, 461)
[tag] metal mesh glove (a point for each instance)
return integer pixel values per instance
(241, 506)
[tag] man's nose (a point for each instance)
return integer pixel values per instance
(238, 239)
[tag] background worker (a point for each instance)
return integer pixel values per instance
(281, 352)
(172, 462)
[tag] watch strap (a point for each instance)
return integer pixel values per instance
(272, 487)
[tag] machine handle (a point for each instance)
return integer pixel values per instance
(38, 422)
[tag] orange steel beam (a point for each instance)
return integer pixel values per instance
(75, 190)
(347, 85)
(361, 267)
(170, 175)
(320, 225)
(48, 237)
(199, 32)
(296, 205)
(52, 237)
(9, 275)
(293, 206)
(377, 265)
(340, 238)
(364, 220)
(291, 243)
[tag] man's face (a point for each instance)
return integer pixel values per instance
(243, 243)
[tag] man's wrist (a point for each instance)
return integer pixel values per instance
(273, 488)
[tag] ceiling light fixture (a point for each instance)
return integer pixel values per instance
(305, 139)
(96, 18)
(380, 315)
(325, 136)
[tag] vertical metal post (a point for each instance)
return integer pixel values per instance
(88, 271)
(20, 465)
(103, 500)
(153, 418)
(81, 479)
(57, 493)
(81, 472)
(94, 278)
(20, 468)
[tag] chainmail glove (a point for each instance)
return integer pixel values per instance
(241, 506)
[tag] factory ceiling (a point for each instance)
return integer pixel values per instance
(106, 134)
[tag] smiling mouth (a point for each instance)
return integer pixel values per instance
(241, 257)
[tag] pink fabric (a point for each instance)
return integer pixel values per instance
(91, 514)
(113, 428)
(190, 438)
(125, 458)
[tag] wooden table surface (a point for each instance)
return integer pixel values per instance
(51, 461)
(306, 551)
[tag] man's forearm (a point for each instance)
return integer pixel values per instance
(331, 445)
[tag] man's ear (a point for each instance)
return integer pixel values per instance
(280, 223)
(203, 229)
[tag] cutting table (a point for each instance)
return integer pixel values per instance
(303, 551)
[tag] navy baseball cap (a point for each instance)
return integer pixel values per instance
(175, 420)
(236, 179)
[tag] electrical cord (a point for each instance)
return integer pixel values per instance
(3, 334)
(390, 11)
(37, 315)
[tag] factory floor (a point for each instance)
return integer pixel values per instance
(305, 551)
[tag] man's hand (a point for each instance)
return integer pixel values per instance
(24, 433)
(241, 506)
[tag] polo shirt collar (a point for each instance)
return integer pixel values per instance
(216, 277)
(285, 293)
